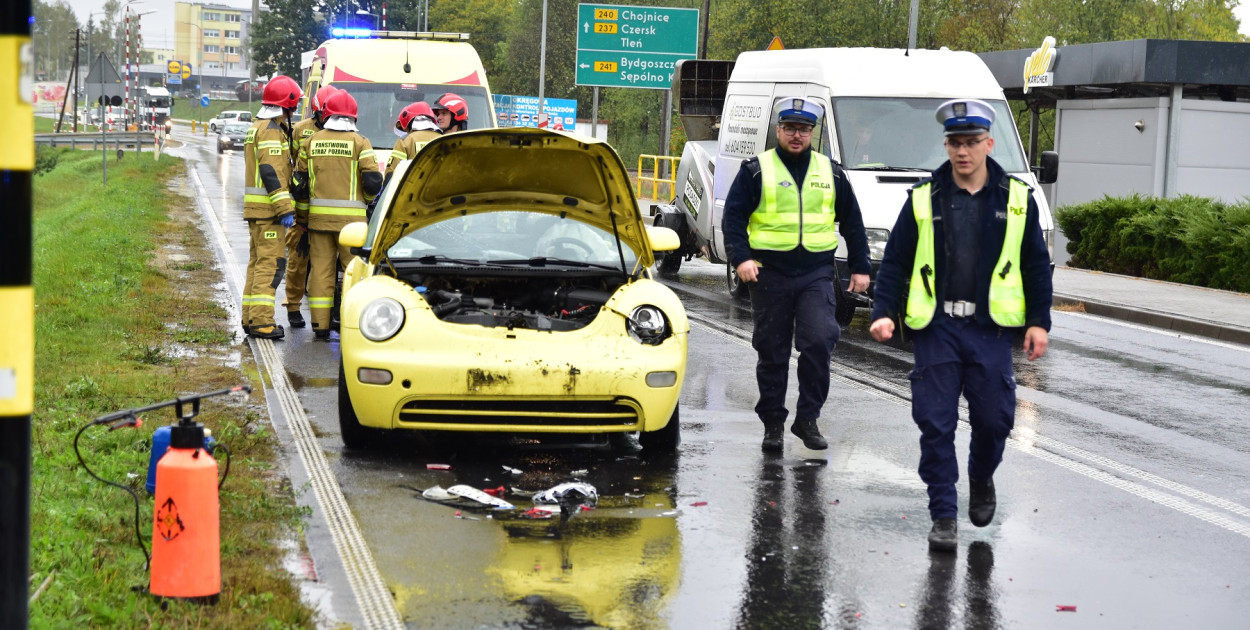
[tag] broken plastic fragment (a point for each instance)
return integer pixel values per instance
(572, 493)
(473, 494)
(438, 466)
(540, 512)
(496, 492)
(698, 504)
(509, 469)
(1065, 608)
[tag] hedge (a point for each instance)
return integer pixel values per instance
(1191, 240)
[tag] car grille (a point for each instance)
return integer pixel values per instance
(533, 413)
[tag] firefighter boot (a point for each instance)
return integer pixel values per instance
(807, 431)
(272, 331)
(295, 319)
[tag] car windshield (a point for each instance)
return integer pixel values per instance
(512, 238)
(238, 128)
(901, 133)
(378, 106)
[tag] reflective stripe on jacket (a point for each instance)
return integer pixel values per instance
(267, 169)
(1007, 303)
(336, 162)
(407, 147)
(790, 215)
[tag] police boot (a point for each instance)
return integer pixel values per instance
(295, 319)
(981, 501)
(272, 331)
(774, 430)
(944, 536)
(807, 431)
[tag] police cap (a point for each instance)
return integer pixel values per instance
(797, 109)
(965, 116)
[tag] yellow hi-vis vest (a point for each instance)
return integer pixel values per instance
(788, 216)
(1007, 307)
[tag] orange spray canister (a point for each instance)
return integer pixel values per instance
(186, 536)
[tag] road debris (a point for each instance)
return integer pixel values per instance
(1065, 608)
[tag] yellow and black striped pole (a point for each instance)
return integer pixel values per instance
(17, 309)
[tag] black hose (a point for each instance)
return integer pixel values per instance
(226, 472)
(147, 558)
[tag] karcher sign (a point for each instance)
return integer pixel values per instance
(1037, 68)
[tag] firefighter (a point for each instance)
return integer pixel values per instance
(267, 206)
(452, 112)
(416, 127)
(337, 174)
(297, 238)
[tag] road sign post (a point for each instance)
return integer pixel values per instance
(628, 46)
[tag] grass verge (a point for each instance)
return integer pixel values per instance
(125, 317)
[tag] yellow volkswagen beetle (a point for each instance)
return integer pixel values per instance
(503, 284)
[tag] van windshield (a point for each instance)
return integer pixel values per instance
(378, 106)
(901, 133)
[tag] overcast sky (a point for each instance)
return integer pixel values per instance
(158, 28)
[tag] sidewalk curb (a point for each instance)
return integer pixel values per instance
(1167, 321)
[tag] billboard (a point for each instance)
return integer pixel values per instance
(522, 111)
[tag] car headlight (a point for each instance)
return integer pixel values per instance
(876, 243)
(381, 319)
(647, 325)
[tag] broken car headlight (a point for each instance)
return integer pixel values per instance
(381, 319)
(647, 325)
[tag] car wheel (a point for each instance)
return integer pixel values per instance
(666, 262)
(355, 436)
(212, 128)
(737, 287)
(665, 440)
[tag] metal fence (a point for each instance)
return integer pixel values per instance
(663, 173)
(118, 139)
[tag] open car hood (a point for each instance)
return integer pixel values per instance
(535, 170)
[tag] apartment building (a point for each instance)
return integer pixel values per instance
(212, 36)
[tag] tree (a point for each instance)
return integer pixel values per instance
(52, 39)
(280, 35)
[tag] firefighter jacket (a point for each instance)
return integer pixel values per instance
(337, 173)
(267, 169)
(299, 132)
(406, 147)
(899, 263)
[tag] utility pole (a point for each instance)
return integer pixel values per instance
(17, 311)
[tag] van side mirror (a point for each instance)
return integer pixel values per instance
(1048, 172)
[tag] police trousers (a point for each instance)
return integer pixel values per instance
(266, 264)
(798, 312)
(326, 257)
(296, 268)
(960, 356)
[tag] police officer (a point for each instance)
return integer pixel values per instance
(969, 242)
(452, 112)
(267, 204)
(337, 173)
(415, 127)
(297, 237)
(779, 230)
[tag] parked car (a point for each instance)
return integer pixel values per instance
(504, 284)
(228, 116)
(232, 136)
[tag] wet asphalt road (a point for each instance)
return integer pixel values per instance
(1124, 493)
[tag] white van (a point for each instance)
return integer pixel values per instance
(879, 125)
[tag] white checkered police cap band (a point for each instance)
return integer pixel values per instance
(800, 110)
(965, 116)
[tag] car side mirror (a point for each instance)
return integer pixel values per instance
(1048, 172)
(353, 234)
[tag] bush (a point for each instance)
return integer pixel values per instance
(1187, 239)
(46, 158)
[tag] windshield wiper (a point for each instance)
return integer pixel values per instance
(543, 261)
(436, 259)
(914, 169)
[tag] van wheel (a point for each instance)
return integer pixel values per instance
(666, 262)
(355, 436)
(665, 440)
(737, 287)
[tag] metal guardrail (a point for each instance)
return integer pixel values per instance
(658, 178)
(117, 139)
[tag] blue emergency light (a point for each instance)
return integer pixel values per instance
(351, 32)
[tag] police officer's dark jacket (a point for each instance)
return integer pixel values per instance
(889, 299)
(744, 197)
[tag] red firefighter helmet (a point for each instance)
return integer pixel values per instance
(340, 104)
(412, 112)
(455, 104)
(319, 98)
(282, 91)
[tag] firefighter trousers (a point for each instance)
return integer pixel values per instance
(325, 258)
(266, 264)
(296, 267)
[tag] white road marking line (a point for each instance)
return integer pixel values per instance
(1032, 445)
(374, 599)
(1163, 332)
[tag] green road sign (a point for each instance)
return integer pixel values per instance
(628, 46)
